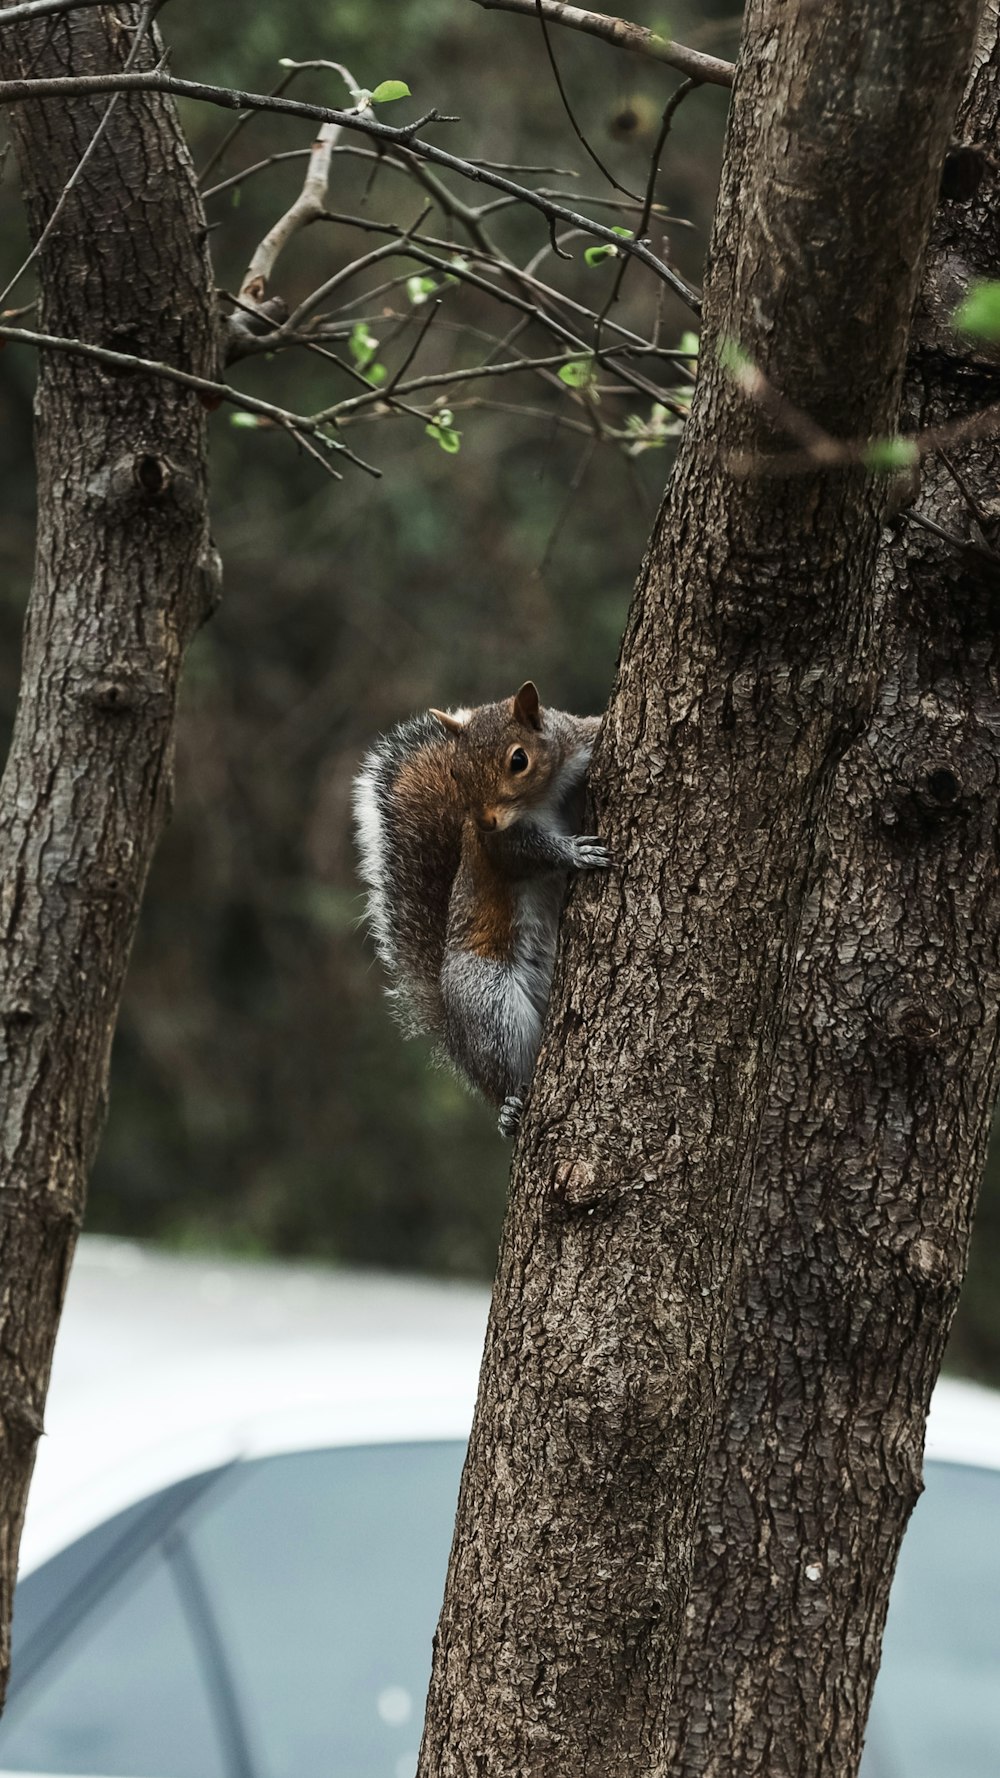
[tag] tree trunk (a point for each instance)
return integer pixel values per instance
(874, 1137)
(124, 574)
(747, 667)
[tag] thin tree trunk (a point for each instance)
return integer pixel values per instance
(874, 1137)
(124, 574)
(747, 666)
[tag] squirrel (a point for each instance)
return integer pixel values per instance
(466, 825)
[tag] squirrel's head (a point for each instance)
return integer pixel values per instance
(503, 760)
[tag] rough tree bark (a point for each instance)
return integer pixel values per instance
(873, 1142)
(747, 667)
(124, 574)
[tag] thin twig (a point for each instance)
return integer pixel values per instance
(127, 361)
(311, 450)
(958, 543)
(570, 113)
(542, 293)
(624, 36)
(397, 376)
(669, 112)
(270, 160)
(561, 421)
(320, 294)
(576, 483)
(519, 167)
(445, 378)
(981, 517)
(235, 129)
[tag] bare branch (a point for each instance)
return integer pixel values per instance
(204, 386)
(638, 38)
(270, 160)
(73, 86)
(545, 297)
(445, 378)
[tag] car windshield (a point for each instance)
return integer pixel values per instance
(276, 1625)
(274, 1620)
(936, 1710)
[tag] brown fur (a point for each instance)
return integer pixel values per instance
(482, 902)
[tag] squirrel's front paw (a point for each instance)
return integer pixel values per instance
(510, 1115)
(590, 853)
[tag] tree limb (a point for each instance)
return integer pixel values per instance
(638, 38)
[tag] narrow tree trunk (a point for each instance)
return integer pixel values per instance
(875, 1133)
(123, 576)
(746, 668)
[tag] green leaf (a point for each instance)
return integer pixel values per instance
(979, 314)
(419, 288)
(376, 373)
(577, 374)
(886, 455)
(363, 345)
(387, 90)
(594, 255)
(447, 435)
(242, 419)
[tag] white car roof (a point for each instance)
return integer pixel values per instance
(168, 1365)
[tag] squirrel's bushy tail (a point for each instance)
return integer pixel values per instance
(408, 826)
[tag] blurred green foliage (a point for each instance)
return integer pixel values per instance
(261, 1096)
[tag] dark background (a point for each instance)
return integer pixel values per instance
(262, 1100)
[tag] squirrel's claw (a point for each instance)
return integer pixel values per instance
(590, 853)
(510, 1115)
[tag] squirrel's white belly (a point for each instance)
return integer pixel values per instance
(537, 925)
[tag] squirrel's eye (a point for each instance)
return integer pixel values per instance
(519, 760)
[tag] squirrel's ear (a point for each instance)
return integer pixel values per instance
(454, 724)
(526, 710)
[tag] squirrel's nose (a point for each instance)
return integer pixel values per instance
(485, 821)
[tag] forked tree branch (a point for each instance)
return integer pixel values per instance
(308, 206)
